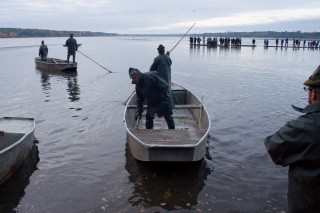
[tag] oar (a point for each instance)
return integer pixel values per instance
(55, 61)
(182, 37)
(125, 103)
(95, 62)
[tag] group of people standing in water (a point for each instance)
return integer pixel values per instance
(214, 42)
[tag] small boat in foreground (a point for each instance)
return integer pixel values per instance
(55, 64)
(186, 143)
(16, 140)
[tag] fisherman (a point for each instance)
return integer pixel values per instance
(297, 145)
(155, 90)
(43, 51)
(162, 64)
(72, 45)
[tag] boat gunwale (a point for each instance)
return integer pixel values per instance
(24, 134)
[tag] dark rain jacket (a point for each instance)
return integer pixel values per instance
(161, 64)
(156, 91)
(43, 50)
(297, 145)
(71, 43)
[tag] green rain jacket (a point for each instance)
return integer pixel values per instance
(297, 145)
(161, 64)
(156, 91)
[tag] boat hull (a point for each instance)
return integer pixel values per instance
(54, 64)
(16, 140)
(184, 144)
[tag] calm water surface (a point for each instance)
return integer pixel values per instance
(82, 162)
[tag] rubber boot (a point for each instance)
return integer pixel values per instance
(149, 122)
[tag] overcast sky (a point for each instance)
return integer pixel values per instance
(163, 16)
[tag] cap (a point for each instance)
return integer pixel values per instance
(314, 79)
(133, 72)
(161, 47)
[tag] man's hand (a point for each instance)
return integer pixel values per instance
(138, 115)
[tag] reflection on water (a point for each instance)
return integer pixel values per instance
(12, 190)
(72, 83)
(170, 186)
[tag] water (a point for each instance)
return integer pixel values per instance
(81, 163)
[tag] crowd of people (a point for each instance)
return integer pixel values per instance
(296, 43)
(214, 42)
(236, 42)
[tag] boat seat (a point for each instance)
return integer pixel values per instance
(187, 106)
(169, 137)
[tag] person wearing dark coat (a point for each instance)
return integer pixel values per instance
(162, 64)
(297, 145)
(72, 45)
(151, 87)
(43, 51)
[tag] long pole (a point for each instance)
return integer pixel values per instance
(125, 103)
(183, 37)
(95, 62)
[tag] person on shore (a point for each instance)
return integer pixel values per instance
(43, 51)
(162, 64)
(297, 145)
(152, 87)
(72, 45)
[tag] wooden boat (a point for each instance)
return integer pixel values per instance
(16, 140)
(55, 64)
(186, 143)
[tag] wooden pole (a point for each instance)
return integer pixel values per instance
(183, 37)
(95, 62)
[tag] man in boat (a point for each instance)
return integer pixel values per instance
(297, 145)
(71, 43)
(43, 51)
(162, 64)
(155, 90)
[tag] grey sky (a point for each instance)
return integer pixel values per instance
(160, 17)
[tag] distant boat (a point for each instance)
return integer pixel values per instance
(16, 140)
(55, 64)
(184, 144)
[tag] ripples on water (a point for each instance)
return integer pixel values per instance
(84, 164)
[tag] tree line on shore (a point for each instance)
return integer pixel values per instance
(26, 33)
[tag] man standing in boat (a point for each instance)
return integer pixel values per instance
(297, 145)
(43, 51)
(162, 65)
(71, 43)
(152, 87)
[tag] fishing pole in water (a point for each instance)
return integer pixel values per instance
(183, 37)
(95, 62)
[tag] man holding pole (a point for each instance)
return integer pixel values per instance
(161, 64)
(72, 45)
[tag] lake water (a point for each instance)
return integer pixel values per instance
(82, 162)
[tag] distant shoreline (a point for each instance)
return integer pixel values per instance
(36, 33)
